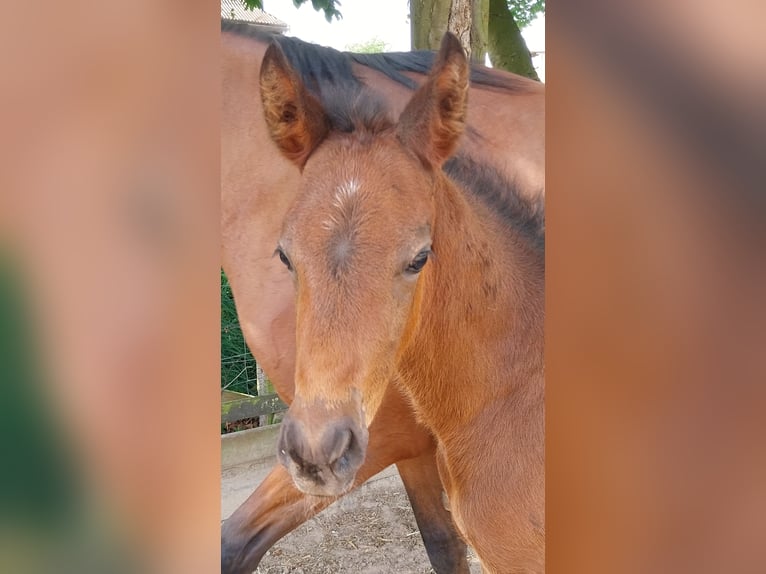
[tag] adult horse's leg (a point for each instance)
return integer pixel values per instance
(446, 550)
(274, 509)
(277, 507)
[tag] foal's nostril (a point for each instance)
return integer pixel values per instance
(295, 456)
(341, 464)
(341, 441)
(348, 455)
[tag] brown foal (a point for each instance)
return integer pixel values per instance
(401, 272)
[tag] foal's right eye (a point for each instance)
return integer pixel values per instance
(283, 258)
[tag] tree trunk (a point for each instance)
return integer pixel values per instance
(507, 48)
(479, 30)
(428, 22)
(467, 19)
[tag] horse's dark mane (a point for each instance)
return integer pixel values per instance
(318, 64)
(392, 64)
(501, 196)
(327, 73)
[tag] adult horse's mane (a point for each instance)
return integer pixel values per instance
(352, 107)
(317, 63)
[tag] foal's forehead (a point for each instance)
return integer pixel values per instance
(349, 166)
(356, 190)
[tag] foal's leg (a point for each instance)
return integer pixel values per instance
(277, 507)
(446, 550)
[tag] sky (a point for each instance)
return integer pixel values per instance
(364, 20)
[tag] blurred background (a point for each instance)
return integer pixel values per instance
(111, 281)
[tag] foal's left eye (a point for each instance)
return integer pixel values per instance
(416, 265)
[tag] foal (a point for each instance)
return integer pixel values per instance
(397, 270)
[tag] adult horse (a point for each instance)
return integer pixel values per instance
(258, 186)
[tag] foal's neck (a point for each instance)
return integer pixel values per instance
(476, 331)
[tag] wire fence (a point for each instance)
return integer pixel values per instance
(239, 370)
(241, 376)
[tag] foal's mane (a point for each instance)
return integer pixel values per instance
(487, 184)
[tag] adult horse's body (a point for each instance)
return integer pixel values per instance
(258, 187)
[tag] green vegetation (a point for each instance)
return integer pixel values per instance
(524, 11)
(371, 46)
(238, 367)
(327, 6)
(37, 483)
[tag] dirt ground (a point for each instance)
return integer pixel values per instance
(370, 531)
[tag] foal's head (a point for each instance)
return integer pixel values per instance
(358, 243)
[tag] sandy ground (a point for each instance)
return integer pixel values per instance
(370, 531)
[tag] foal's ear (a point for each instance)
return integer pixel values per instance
(434, 119)
(295, 119)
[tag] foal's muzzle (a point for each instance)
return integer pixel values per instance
(322, 456)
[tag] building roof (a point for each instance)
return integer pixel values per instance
(235, 10)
